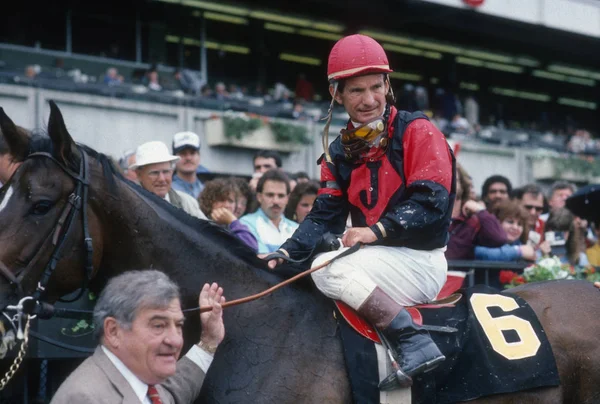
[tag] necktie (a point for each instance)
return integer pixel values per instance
(153, 395)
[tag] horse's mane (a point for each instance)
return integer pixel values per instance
(112, 174)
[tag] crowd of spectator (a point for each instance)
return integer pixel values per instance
(510, 225)
(455, 113)
(501, 224)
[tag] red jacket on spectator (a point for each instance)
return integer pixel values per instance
(482, 228)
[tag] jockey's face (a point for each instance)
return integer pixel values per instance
(151, 346)
(156, 178)
(363, 97)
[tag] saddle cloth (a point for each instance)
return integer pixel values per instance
(500, 347)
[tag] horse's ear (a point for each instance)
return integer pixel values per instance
(63, 144)
(15, 137)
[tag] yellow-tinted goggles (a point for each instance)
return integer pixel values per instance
(366, 132)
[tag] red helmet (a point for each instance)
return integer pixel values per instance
(356, 55)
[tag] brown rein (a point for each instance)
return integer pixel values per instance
(272, 289)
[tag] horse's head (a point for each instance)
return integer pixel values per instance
(42, 232)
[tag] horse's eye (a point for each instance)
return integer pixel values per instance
(41, 207)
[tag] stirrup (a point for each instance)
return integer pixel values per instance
(398, 379)
(395, 380)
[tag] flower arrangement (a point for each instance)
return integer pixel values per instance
(548, 269)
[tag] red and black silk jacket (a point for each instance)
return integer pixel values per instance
(405, 196)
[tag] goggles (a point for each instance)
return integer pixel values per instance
(367, 132)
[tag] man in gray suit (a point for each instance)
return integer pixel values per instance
(138, 321)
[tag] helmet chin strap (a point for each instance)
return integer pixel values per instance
(325, 136)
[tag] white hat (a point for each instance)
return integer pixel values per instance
(182, 140)
(151, 153)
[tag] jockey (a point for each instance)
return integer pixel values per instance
(393, 172)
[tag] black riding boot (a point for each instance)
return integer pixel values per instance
(415, 351)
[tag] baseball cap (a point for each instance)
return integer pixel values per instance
(182, 140)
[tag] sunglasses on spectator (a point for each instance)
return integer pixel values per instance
(537, 208)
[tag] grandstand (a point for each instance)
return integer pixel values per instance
(535, 78)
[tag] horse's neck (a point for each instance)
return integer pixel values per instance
(140, 233)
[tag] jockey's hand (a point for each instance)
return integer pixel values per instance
(358, 235)
(223, 216)
(274, 262)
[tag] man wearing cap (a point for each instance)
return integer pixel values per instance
(186, 145)
(154, 168)
(394, 173)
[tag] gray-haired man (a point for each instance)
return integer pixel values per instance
(138, 321)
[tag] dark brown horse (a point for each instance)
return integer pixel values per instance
(282, 348)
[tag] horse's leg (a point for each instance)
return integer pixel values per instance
(568, 313)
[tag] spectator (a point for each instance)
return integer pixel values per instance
(235, 92)
(138, 321)
(32, 71)
(127, 161)
(221, 92)
(513, 218)
(301, 201)
(187, 81)
(245, 199)
(302, 177)
(471, 223)
(495, 189)
(154, 166)
(218, 202)
(153, 83)
(460, 125)
(564, 237)
(559, 193)
(186, 145)
(581, 142)
(268, 223)
(263, 161)
(532, 199)
(472, 111)
(206, 91)
(593, 253)
(112, 77)
(304, 88)
(8, 162)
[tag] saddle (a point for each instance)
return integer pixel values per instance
(446, 298)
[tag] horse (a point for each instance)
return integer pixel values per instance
(282, 348)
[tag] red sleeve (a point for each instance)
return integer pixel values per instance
(426, 154)
(329, 185)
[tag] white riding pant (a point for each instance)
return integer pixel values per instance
(408, 276)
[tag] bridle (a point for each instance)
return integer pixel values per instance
(76, 205)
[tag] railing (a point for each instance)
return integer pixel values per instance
(471, 266)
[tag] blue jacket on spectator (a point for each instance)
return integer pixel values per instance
(507, 252)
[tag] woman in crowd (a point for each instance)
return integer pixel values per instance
(218, 202)
(564, 236)
(301, 201)
(245, 197)
(593, 253)
(471, 223)
(513, 219)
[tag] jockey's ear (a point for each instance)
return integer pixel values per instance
(16, 138)
(64, 147)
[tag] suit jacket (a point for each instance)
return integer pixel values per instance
(97, 381)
